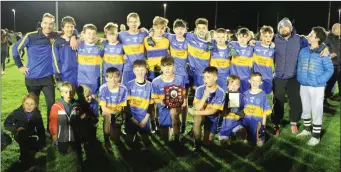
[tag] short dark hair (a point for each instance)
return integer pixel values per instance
(179, 23)
(167, 61)
(139, 63)
(201, 21)
(221, 30)
(266, 29)
(211, 69)
(320, 33)
(68, 19)
(243, 31)
(112, 70)
(254, 74)
(234, 78)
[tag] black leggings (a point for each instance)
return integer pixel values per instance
(3, 59)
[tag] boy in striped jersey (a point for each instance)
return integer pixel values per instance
(198, 51)
(168, 117)
(232, 123)
(89, 59)
(208, 102)
(112, 99)
(132, 41)
(113, 50)
(178, 50)
(66, 57)
(256, 109)
(220, 58)
(158, 49)
(241, 64)
(263, 57)
(139, 104)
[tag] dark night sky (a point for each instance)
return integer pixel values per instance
(230, 14)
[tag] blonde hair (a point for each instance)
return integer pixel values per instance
(30, 96)
(110, 28)
(90, 27)
(69, 86)
(160, 21)
(133, 15)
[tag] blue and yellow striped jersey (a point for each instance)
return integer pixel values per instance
(113, 57)
(67, 60)
(263, 58)
(198, 54)
(221, 60)
(158, 91)
(179, 51)
(242, 63)
(154, 54)
(256, 105)
(133, 47)
(89, 60)
(114, 101)
(215, 100)
(139, 98)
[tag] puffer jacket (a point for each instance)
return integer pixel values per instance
(313, 70)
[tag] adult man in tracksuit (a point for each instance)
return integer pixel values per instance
(40, 67)
(288, 45)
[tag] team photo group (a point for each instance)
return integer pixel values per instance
(146, 82)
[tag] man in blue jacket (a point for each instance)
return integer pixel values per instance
(288, 45)
(40, 67)
(312, 73)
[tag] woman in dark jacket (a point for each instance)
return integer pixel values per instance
(27, 126)
(5, 43)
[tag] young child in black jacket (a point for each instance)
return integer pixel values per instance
(27, 126)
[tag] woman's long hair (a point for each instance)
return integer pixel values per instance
(3, 37)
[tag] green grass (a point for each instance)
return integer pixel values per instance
(284, 153)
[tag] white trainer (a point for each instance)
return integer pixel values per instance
(303, 133)
(313, 141)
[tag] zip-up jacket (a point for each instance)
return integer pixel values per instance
(33, 126)
(312, 70)
(63, 118)
(286, 54)
(39, 53)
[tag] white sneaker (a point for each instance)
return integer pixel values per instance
(260, 143)
(304, 133)
(313, 141)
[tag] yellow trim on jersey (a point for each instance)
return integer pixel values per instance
(133, 49)
(23, 40)
(157, 96)
(152, 62)
(181, 54)
(196, 100)
(267, 112)
(242, 61)
(215, 106)
(199, 53)
(138, 102)
(117, 107)
(55, 58)
(263, 61)
(256, 111)
(232, 116)
(220, 63)
(113, 59)
(89, 60)
(102, 103)
(160, 44)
